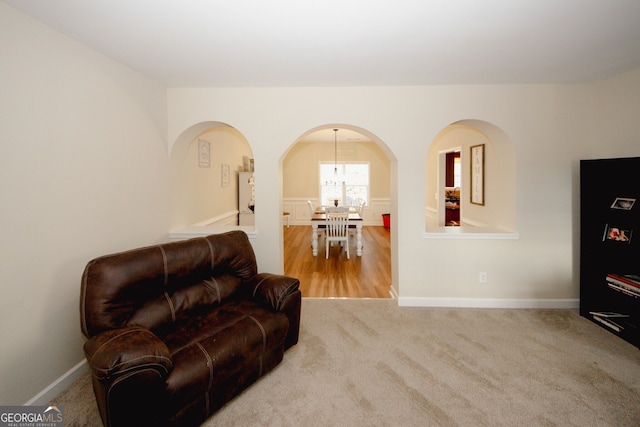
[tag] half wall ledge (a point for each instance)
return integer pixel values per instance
(205, 230)
(471, 233)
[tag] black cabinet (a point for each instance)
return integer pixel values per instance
(610, 245)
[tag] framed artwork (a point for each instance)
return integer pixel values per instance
(204, 153)
(225, 172)
(617, 234)
(623, 203)
(477, 174)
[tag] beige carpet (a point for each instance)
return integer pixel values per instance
(371, 363)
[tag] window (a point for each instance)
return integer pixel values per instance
(348, 183)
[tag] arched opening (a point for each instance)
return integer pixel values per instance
(205, 164)
(301, 167)
(485, 196)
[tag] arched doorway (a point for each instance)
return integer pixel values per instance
(301, 169)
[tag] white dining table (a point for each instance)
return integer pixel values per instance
(319, 220)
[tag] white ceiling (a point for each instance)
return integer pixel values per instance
(194, 43)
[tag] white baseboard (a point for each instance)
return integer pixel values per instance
(393, 293)
(487, 303)
(59, 385)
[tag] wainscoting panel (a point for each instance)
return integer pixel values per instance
(372, 215)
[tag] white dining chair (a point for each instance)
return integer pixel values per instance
(337, 230)
(361, 207)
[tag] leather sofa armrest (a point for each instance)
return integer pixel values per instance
(121, 351)
(272, 290)
(129, 367)
(280, 293)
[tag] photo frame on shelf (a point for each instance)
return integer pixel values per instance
(623, 203)
(204, 153)
(225, 175)
(617, 234)
(477, 174)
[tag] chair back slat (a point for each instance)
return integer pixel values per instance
(337, 229)
(337, 224)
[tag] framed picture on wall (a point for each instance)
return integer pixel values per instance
(225, 172)
(204, 153)
(477, 174)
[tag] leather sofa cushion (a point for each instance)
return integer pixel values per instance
(161, 312)
(236, 342)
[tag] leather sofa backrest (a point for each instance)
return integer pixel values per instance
(155, 286)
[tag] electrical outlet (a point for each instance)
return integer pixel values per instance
(482, 277)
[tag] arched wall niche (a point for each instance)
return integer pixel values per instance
(499, 210)
(199, 195)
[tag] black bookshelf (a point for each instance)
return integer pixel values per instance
(610, 245)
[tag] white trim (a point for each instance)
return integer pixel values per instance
(487, 303)
(227, 218)
(473, 223)
(393, 293)
(205, 230)
(469, 233)
(51, 391)
(216, 225)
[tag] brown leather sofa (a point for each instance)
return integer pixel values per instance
(177, 330)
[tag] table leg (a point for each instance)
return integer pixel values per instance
(314, 238)
(359, 238)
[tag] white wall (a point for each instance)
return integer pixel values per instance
(544, 122)
(617, 114)
(83, 172)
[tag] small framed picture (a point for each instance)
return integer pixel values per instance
(477, 174)
(623, 203)
(617, 234)
(204, 153)
(225, 172)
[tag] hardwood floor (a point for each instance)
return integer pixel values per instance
(368, 276)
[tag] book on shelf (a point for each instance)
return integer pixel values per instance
(619, 322)
(625, 283)
(607, 314)
(609, 323)
(627, 290)
(626, 279)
